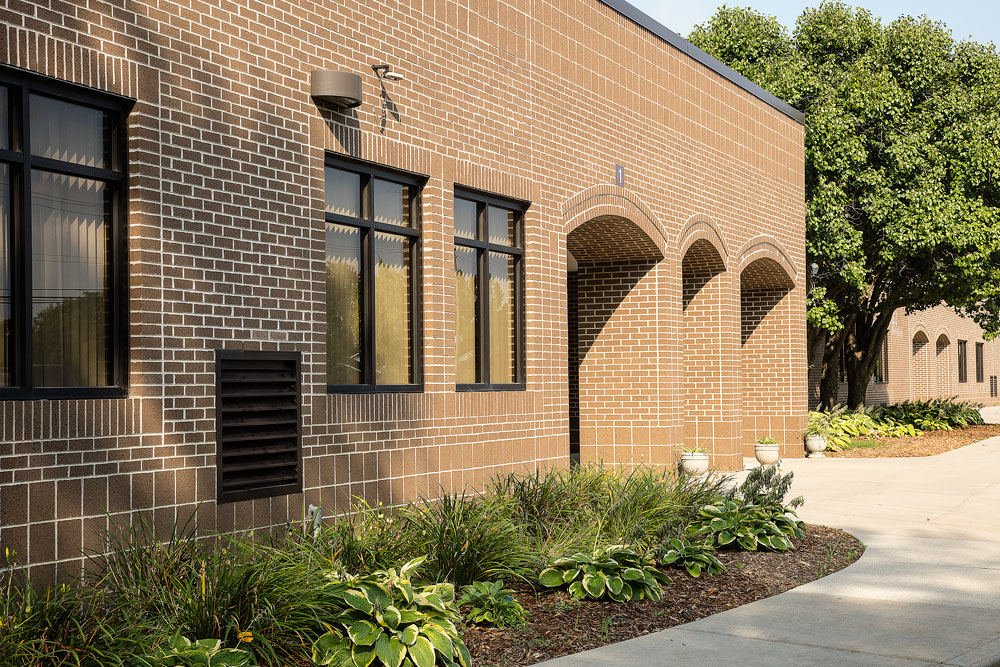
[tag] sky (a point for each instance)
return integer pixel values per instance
(966, 18)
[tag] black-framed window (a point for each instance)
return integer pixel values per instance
(881, 375)
(980, 362)
(372, 251)
(963, 370)
(489, 292)
(63, 258)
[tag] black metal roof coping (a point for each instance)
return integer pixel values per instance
(670, 37)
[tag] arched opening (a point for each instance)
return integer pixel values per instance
(613, 338)
(942, 355)
(704, 345)
(920, 381)
(766, 356)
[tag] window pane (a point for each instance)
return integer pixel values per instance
(343, 192)
(68, 132)
(4, 119)
(466, 315)
(392, 203)
(392, 309)
(465, 218)
(500, 222)
(343, 304)
(5, 305)
(69, 291)
(502, 309)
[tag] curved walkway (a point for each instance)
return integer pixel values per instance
(926, 591)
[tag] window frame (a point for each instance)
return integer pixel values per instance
(963, 362)
(980, 363)
(483, 201)
(17, 157)
(881, 373)
(368, 172)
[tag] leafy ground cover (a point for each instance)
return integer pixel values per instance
(845, 429)
(381, 586)
(561, 624)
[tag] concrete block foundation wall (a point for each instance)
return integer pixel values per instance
(533, 101)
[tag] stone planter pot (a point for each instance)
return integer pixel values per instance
(767, 454)
(815, 444)
(694, 463)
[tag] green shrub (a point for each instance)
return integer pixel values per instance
(366, 539)
(467, 538)
(182, 652)
(765, 486)
(935, 414)
(615, 572)
(695, 557)
(746, 526)
(58, 625)
(218, 587)
(491, 604)
(385, 620)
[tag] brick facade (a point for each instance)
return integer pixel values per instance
(923, 361)
(532, 101)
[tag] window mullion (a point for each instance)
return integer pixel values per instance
(484, 294)
(23, 271)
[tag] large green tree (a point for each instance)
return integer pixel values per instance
(902, 143)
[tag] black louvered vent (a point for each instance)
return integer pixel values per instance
(257, 424)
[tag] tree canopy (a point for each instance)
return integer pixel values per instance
(902, 144)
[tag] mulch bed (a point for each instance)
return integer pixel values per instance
(560, 625)
(927, 444)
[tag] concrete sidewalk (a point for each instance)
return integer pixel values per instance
(926, 591)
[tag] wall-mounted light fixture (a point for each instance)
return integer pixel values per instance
(385, 72)
(342, 89)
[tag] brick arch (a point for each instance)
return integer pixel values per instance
(943, 365)
(767, 256)
(604, 212)
(701, 229)
(920, 364)
(767, 313)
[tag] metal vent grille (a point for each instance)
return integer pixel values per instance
(993, 386)
(257, 424)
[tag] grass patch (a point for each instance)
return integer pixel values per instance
(862, 444)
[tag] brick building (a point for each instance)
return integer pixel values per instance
(933, 353)
(563, 232)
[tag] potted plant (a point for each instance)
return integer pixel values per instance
(694, 461)
(767, 450)
(816, 433)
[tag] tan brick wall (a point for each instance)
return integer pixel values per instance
(536, 101)
(923, 360)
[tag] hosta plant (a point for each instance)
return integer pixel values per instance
(388, 622)
(491, 604)
(695, 557)
(182, 652)
(746, 526)
(615, 572)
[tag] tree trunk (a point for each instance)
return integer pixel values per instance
(830, 382)
(862, 345)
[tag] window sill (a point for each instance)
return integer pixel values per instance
(374, 389)
(490, 387)
(63, 394)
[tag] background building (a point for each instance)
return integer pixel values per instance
(564, 232)
(934, 353)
